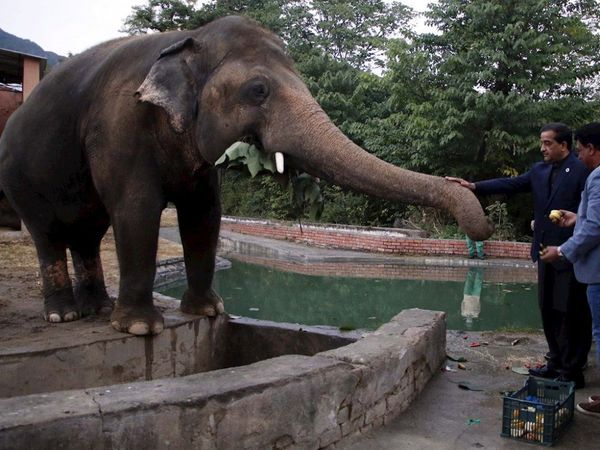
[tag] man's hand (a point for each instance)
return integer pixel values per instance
(549, 254)
(568, 218)
(462, 182)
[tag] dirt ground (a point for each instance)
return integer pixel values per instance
(20, 283)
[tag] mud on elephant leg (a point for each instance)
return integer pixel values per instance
(59, 303)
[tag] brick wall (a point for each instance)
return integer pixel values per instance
(377, 240)
(390, 271)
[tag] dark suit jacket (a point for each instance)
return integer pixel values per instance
(566, 194)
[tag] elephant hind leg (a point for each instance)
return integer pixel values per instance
(59, 303)
(90, 291)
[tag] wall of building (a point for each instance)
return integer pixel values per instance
(31, 75)
(9, 102)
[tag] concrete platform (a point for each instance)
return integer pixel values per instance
(281, 402)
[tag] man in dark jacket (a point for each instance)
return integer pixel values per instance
(556, 183)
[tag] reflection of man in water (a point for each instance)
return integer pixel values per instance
(470, 306)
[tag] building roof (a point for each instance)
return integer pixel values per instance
(11, 65)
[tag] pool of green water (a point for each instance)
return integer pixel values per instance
(350, 303)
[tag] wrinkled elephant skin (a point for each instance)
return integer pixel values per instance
(113, 134)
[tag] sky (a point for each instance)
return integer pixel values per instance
(71, 26)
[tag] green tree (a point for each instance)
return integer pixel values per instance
(470, 99)
(497, 70)
(161, 15)
(164, 15)
(355, 32)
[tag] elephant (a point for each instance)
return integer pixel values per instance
(115, 133)
(8, 216)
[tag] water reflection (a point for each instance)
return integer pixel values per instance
(371, 298)
(470, 308)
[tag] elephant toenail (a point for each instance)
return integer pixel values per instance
(139, 328)
(54, 318)
(69, 317)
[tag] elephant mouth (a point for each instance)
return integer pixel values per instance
(252, 139)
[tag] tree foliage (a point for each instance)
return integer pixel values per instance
(496, 71)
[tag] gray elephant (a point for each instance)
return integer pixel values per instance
(113, 134)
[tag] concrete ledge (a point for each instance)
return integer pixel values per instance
(284, 402)
(95, 355)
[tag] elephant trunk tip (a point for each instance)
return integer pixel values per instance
(469, 214)
(479, 233)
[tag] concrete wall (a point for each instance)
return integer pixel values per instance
(293, 401)
(379, 240)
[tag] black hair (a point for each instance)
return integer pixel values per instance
(562, 131)
(589, 134)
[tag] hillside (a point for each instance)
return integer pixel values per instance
(12, 42)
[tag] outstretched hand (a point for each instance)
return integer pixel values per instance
(462, 182)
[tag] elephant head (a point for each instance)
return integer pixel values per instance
(232, 79)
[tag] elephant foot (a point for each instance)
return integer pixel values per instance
(138, 321)
(93, 300)
(208, 304)
(60, 307)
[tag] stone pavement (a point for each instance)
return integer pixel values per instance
(439, 418)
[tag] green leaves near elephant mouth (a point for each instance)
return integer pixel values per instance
(243, 154)
(306, 193)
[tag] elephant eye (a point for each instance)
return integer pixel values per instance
(255, 91)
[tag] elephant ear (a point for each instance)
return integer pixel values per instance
(171, 85)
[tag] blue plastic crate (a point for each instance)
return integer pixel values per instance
(539, 412)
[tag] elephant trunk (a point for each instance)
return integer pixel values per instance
(317, 146)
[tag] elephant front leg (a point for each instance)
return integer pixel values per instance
(199, 223)
(136, 235)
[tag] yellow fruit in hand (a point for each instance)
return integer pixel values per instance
(555, 215)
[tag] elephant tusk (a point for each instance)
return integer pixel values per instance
(279, 162)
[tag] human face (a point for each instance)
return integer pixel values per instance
(551, 149)
(586, 154)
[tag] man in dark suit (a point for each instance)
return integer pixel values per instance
(556, 183)
(583, 248)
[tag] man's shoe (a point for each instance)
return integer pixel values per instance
(544, 372)
(589, 408)
(577, 379)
